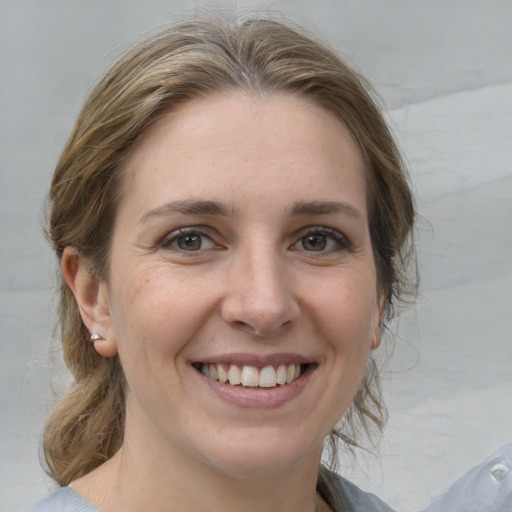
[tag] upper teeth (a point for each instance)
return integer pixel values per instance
(251, 376)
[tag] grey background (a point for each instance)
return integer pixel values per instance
(444, 70)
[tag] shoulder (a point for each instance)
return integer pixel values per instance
(343, 495)
(485, 488)
(63, 500)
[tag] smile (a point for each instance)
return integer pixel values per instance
(252, 376)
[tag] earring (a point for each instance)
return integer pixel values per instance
(95, 337)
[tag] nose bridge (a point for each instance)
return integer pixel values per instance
(260, 297)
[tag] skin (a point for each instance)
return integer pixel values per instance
(253, 285)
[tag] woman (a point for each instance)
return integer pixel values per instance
(232, 222)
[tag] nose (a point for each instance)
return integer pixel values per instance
(259, 298)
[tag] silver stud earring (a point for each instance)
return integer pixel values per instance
(95, 337)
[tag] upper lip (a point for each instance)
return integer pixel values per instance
(243, 359)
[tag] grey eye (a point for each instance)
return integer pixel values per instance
(321, 239)
(192, 242)
(314, 242)
(187, 241)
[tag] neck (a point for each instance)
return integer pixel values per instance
(143, 476)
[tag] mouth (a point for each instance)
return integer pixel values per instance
(247, 376)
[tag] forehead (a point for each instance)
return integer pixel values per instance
(236, 145)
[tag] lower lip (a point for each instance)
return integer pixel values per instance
(258, 398)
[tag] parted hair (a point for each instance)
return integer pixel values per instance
(196, 57)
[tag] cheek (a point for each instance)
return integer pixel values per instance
(348, 318)
(156, 314)
(148, 339)
(349, 311)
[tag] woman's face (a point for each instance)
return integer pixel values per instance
(241, 251)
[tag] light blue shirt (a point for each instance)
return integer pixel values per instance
(63, 500)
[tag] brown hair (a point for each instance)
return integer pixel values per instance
(197, 57)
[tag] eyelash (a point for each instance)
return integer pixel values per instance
(340, 241)
(169, 240)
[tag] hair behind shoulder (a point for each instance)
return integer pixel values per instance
(197, 57)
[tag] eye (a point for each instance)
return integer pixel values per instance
(321, 240)
(316, 242)
(185, 240)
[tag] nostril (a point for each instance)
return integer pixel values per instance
(259, 328)
(246, 327)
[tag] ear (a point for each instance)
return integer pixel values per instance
(377, 327)
(91, 295)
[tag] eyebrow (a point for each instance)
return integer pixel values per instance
(189, 207)
(325, 208)
(215, 208)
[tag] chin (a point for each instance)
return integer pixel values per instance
(262, 457)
